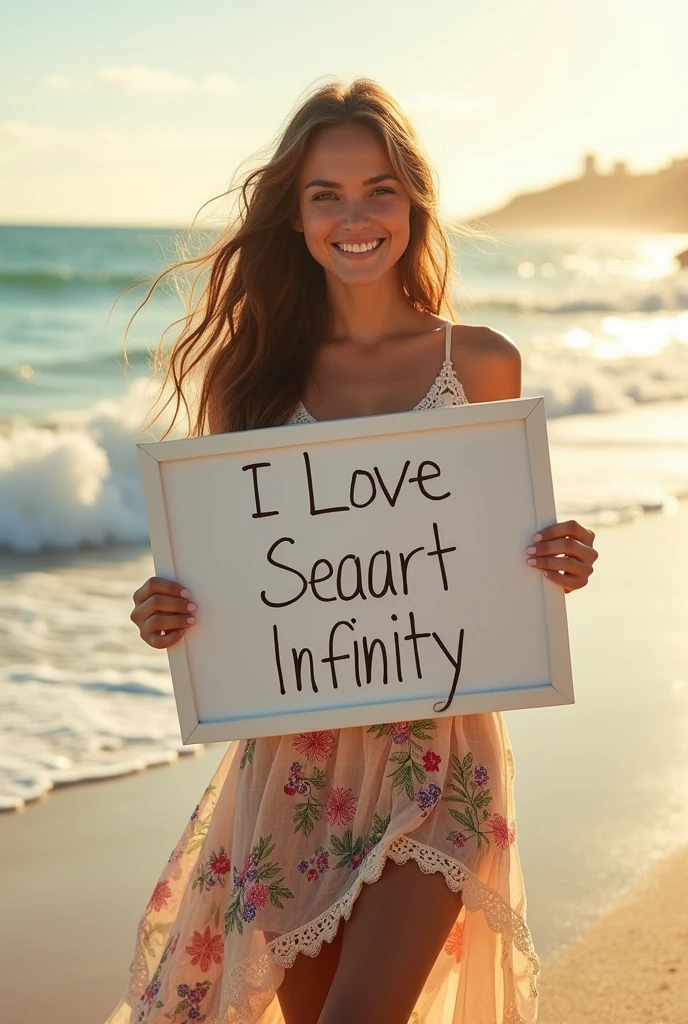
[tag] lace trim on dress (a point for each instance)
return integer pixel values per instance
(301, 415)
(446, 390)
(242, 988)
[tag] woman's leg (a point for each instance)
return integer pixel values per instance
(306, 983)
(389, 945)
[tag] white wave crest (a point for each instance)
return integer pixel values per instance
(74, 482)
(576, 382)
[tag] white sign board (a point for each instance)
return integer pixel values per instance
(360, 571)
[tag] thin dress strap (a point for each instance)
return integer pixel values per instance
(447, 342)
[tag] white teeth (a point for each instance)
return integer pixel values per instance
(365, 247)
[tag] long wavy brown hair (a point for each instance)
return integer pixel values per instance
(256, 309)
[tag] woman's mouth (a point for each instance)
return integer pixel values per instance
(358, 250)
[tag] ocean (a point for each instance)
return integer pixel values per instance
(602, 325)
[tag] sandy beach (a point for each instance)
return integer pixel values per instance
(603, 831)
(632, 966)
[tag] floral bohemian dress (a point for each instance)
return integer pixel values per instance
(291, 828)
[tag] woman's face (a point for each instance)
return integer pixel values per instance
(350, 198)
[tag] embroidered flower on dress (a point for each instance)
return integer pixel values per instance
(220, 865)
(465, 786)
(454, 944)
(296, 783)
(248, 913)
(317, 865)
(213, 873)
(247, 899)
(198, 991)
(400, 732)
(153, 987)
(191, 997)
(295, 777)
(205, 949)
(159, 896)
(248, 754)
(322, 859)
(148, 996)
(431, 760)
(427, 798)
(314, 746)
(247, 873)
(307, 813)
(459, 839)
(408, 770)
(341, 806)
(257, 894)
(352, 852)
(504, 833)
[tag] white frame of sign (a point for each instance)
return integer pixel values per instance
(523, 423)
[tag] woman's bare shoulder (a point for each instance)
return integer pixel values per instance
(487, 362)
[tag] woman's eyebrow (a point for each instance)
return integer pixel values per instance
(323, 183)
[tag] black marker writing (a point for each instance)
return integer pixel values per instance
(254, 467)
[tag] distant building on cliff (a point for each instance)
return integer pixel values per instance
(617, 200)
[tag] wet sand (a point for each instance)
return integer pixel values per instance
(632, 966)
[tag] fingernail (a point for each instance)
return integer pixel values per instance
(191, 620)
(192, 607)
(531, 551)
(185, 593)
(532, 561)
(537, 537)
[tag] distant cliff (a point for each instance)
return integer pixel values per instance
(619, 200)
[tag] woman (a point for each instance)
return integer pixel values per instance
(365, 874)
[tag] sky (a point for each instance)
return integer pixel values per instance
(138, 113)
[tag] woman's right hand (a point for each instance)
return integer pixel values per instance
(162, 611)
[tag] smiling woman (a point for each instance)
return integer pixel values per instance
(359, 220)
(353, 247)
(360, 874)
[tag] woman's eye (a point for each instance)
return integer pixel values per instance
(384, 189)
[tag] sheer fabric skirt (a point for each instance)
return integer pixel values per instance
(286, 835)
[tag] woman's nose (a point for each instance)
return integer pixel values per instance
(354, 213)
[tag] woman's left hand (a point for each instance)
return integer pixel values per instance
(564, 552)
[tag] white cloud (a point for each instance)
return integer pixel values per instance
(23, 136)
(219, 83)
(40, 137)
(21, 133)
(138, 78)
(60, 83)
(448, 103)
(176, 140)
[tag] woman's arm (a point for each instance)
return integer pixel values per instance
(563, 551)
(162, 609)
